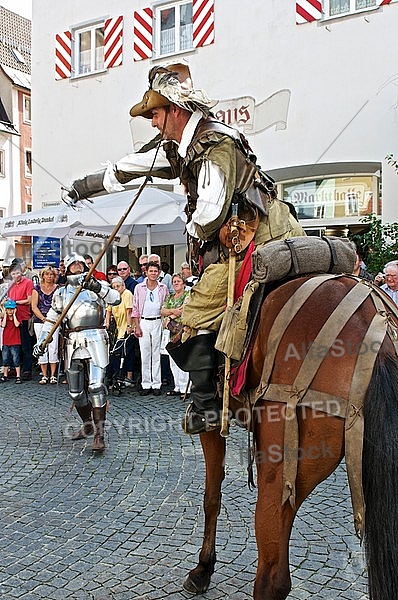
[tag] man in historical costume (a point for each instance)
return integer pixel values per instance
(218, 169)
(86, 344)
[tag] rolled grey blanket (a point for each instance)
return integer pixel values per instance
(301, 256)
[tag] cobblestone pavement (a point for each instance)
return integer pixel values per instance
(127, 525)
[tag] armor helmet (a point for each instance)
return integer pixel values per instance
(172, 85)
(74, 257)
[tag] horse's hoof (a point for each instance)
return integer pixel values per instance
(195, 588)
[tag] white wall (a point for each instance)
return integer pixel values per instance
(341, 76)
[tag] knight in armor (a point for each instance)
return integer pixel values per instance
(219, 172)
(86, 345)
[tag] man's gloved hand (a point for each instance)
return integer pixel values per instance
(83, 188)
(69, 195)
(92, 284)
(38, 350)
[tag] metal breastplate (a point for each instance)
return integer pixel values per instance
(87, 310)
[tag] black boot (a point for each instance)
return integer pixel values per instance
(99, 415)
(203, 412)
(86, 429)
(198, 356)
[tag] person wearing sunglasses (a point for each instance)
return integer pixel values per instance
(147, 323)
(111, 272)
(124, 271)
(143, 262)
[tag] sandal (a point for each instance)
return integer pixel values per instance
(3, 379)
(43, 380)
(53, 379)
(18, 380)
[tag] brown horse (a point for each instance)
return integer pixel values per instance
(356, 370)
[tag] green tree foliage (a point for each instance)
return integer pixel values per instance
(379, 244)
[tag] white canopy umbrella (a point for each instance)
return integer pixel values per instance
(55, 222)
(156, 218)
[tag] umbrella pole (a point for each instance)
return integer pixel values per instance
(148, 240)
(95, 263)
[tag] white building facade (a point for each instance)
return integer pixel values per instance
(312, 85)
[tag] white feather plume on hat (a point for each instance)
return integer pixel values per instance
(172, 84)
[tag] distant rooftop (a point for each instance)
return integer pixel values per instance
(15, 41)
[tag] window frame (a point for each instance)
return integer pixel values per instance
(176, 5)
(351, 11)
(27, 168)
(2, 162)
(27, 119)
(342, 197)
(77, 31)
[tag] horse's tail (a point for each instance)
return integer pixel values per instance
(380, 476)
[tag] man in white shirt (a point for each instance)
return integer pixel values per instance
(391, 280)
(219, 172)
(163, 277)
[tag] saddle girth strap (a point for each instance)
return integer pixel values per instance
(354, 424)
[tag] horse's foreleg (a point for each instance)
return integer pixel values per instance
(213, 446)
(273, 522)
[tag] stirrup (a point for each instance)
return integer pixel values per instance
(194, 422)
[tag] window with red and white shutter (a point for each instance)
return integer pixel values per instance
(308, 11)
(107, 48)
(202, 27)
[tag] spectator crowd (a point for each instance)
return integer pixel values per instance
(137, 327)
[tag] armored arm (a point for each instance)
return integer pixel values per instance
(84, 188)
(108, 294)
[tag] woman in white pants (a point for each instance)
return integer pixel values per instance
(42, 295)
(172, 309)
(147, 322)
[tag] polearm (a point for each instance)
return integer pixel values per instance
(235, 246)
(95, 263)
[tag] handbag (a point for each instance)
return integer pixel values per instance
(173, 326)
(31, 326)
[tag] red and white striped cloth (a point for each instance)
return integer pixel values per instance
(202, 22)
(307, 11)
(63, 55)
(113, 42)
(143, 34)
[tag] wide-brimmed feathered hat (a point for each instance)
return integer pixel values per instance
(172, 85)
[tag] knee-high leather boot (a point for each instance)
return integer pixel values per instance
(198, 356)
(99, 415)
(86, 429)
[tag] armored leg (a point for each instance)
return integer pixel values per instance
(198, 356)
(97, 393)
(87, 428)
(99, 415)
(75, 376)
